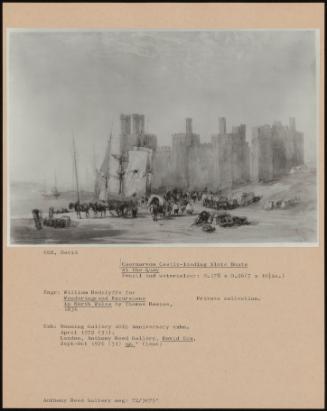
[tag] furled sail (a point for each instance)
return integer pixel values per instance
(136, 175)
(108, 176)
(97, 184)
(103, 174)
(114, 175)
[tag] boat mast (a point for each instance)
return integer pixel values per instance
(121, 158)
(108, 170)
(121, 173)
(75, 167)
(94, 162)
(148, 178)
(96, 177)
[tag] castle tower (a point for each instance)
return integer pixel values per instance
(125, 131)
(125, 124)
(188, 126)
(222, 125)
(138, 124)
(292, 123)
(242, 130)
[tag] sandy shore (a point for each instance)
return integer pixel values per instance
(266, 226)
(295, 225)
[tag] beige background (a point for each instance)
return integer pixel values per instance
(265, 355)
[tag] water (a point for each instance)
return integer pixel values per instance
(23, 199)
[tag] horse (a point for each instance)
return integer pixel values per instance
(61, 210)
(123, 208)
(98, 208)
(86, 208)
(78, 207)
(175, 208)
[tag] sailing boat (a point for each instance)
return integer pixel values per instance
(103, 174)
(54, 189)
(54, 192)
(125, 173)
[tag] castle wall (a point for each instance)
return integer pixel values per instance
(240, 164)
(280, 150)
(231, 157)
(222, 160)
(227, 161)
(162, 168)
(275, 150)
(179, 159)
(200, 166)
(183, 145)
(262, 154)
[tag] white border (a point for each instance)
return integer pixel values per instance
(168, 245)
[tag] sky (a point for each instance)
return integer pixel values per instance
(77, 83)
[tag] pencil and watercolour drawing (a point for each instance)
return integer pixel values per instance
(162, 137)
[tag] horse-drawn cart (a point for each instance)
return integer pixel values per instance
(122, 206)
(158, 206)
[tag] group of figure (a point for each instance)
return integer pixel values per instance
(178, 196)
(281, 204)
(234, 200)
(174, 203)
(121, 208)
(168, 208)
(98, 208)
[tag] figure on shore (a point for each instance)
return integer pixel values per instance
(189, 208)
(134, 205)
(51, 212)
(37, 218)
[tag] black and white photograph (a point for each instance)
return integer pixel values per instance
(162, 137)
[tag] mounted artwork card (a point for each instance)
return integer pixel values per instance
(163, 205)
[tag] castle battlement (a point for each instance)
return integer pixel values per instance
(132, 133)
(228, 160)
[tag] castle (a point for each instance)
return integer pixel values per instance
(223, 163)
(133, 133)
(227, 161)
